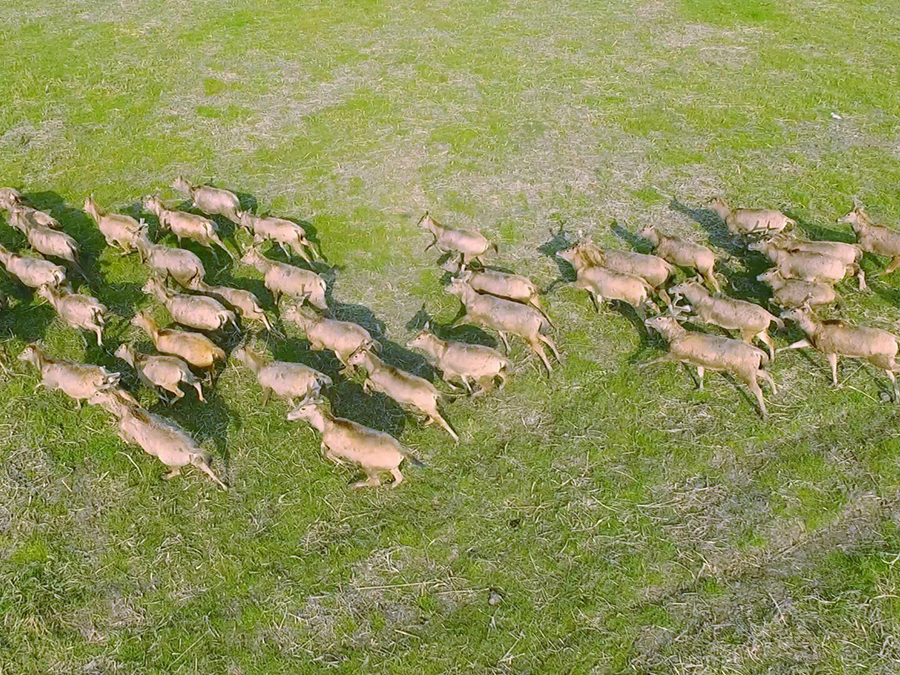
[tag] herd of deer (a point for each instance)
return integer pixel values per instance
(802, 278)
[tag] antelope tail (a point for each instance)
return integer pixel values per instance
(412, 460)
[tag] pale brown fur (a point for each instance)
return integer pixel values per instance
(713, 352)
(683, 254)
(505, 316)
(406, 389)
(198, 350)
(836, 338)
(375, 451)
(462, 361)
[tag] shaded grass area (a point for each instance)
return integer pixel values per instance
(604, 518)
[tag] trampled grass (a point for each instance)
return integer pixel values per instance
(619, 518)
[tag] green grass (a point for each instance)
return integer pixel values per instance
(626, 521)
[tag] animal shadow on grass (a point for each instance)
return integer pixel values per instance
(635, 242)
(559, 241)
(206, 422)
(719, 236)
(371, 410)
(298, 351)
(392, 352)
(467, 333)
(23, 317)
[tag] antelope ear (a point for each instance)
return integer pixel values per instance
(427, 325)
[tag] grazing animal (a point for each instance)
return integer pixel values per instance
(604, 284)
(462, 361)
(33, 272)
(186, 225)
(795, 293)
(341, 337)
(194, 311)
(283, 279)
(198, 350)
(77, 309)
(510, 286)
(683, 254)
(286, 380)
(469, 244)
(214, 201)
(713, 352)
(407, 390)
(505, 316)
(243, 302)
(287, 234)
(836, 338)
(118, 229)
(165, 372)
(375, 451)
(79, 381)
(876, 239)
(157, 436)
(175, 263)
(751, 221)
(809, 266)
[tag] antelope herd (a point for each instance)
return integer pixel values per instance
(801, 280)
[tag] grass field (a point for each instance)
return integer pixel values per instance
(604, 519)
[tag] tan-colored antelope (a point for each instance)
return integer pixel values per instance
(469, 244)
(33, 272)
(165, 372)
(287, 380)
(795, 293)
(193, 311)
(157, 436)
(408, 390)
(186, 225)
(462, 361)
(78, 381)
(198, 350)
(210, 200)
(283, 279)
(729, 313)
(683, 253)
(241, 301)
(343, 440)
(875, 239)
(751, 221)
(175, 263)
(286, 233)
(505, 316)
(118, 229)
(341, 337)
(713, 352)
(836, 338)
(80, 311)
